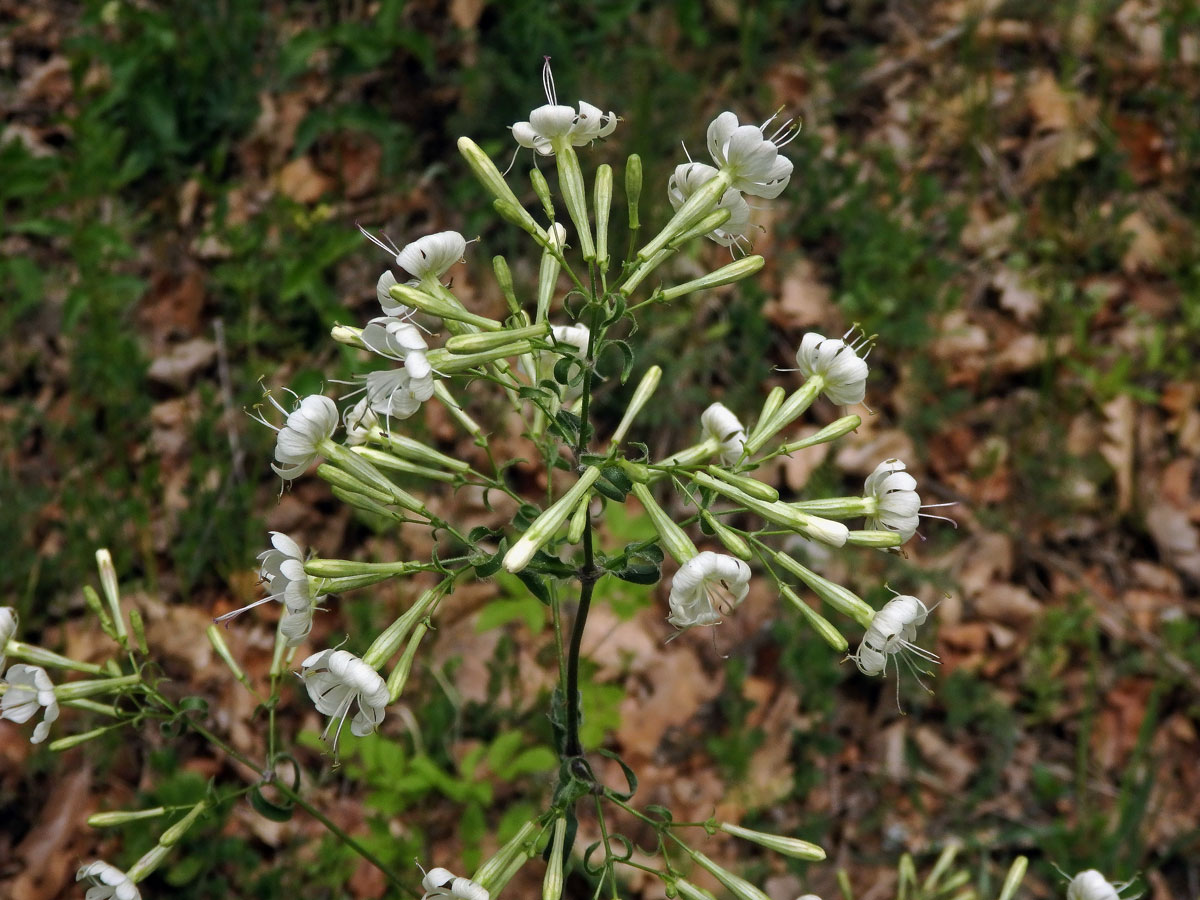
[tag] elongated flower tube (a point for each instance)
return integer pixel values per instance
(641, 396)
(818, 529)
(313, 421)
(893, 500)
(29, 689)
(443, 883)
(673, 538)
(548, 271)
(840, 598)
(552, 883)
(705, 587)
(815, 620)
(749, 157)
(107, 882)
(837, 364)
(547, 524)
(8, 629)
(719, 423)
(793, 847)
(338, 680)
(690, 177)
(739, 887)
(491, 875)
(727, 274)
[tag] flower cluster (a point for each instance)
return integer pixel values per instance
(27, 688)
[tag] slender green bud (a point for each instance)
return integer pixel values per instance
(217, 640)
(570, 182)
(348, 335)
(793, 407)
(751, 486)
(76, 740)
(73, 690)
(579, 521)
(441, 307)
(709, 223)
(150, 861)
(388, 461)
(733, 541)
(547, 524)
(633, 189)
(138, 627)
(410, 448)
(92, 600)
(1012, 881)
(31, 653)
(690, 891)
(505, 280)
(770, 406)
(603, 190)
(103, 709)
(814, 527)
(172, 835)
(399, 676)
(354, 582)
(636, 471)
(673, 538)
(365, 504)
(353, 464)
(469, 425)
(552, 883)
(641, 396)
(739, 887)
(515, 214)
(489, 176)
(793, 847)
(638, 275)
(385, 646)
(735, 271)
(691, 456)
(842, 599)
(518, 849)
(542, 189)
(696, 207)
(816, 621)
(880, 540)
(451, 363)
(838, 507)
(461, 344)
(345, 568)
(347, 482)
(830, 432)
(108, 584)
(121, 817)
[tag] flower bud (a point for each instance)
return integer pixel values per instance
(602, 201)
(770, 405)
(505, 280)
(38, 656)
(517, 850)
(633, 189)
(76, 740)
(348, 335)
(138, 627)
(441, 307)
(710, 223)
(1012, 881)
(548, 270)
(547, 524)
(385, 645)
(673, 538)
(733, 541)
(73, 690)
(489, 176)
(92, 600)
(739, 887)
(217, 640)
(880, 540)
(816, 621)
(120, 817)
(451, 364)
(108, 584)
(751, 486)
(579, 521)
(542, 189)
(734, 271)
(552, 883)
(172, 835)
(830, 432)
(461, 344)
(791, 409)
(641, 396)
(793, 847)
(410, 448)
(399, 676)
(814, 527)
(388, 461)
(836, 507)
(843, 600)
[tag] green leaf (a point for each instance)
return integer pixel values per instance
(630, 776)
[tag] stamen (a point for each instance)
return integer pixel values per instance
(548, 82)
(391, 251)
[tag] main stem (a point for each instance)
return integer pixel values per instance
(587, 574)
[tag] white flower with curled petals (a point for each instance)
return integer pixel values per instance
(8, 629)
(107, 882)
(441, 882)
(399, 393)
(843, 374)
(359, 420)
(749, 157)
(690, 177)
(389, 304)
(282, 569)
(719, 423)
(426, 258)
(337, 681)
(706, 586)
(554, 122)
(893, 632)
(893, 494)
(1091, 885)
(29, 689)
(298, 443)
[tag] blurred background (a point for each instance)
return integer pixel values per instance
(1003, 191)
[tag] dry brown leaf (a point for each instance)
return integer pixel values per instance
(1015, 295)
(950, 761)
(799, 465)
(659, 704)
(465, 13)
(1010, 603)
(1146, 248)
(302, 181)
(1177, 537)
(182, 363)
(47, 849)
(1047, 156)
(985, 235)
(1117, 446)
(1049, 105)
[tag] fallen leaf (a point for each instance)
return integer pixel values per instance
(1048, 104)
(1146, 249)
(302, 181)
(1015, 295)
(182, 363)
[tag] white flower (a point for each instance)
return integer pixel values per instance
(836, 363)
(751, 158)
(282, 568)
(706, 585)
(690, 177)
(313, 421)
(427, 257)
(1091, 885)
(896, 500)
(383, 293)
(574, 336)
(107, 882)
(441, 882)
(398, 393)
(719, 422)
(336, 680)
(552, 121)
(29, 689)
(8, 628)
(358, 421)
(893, 630)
